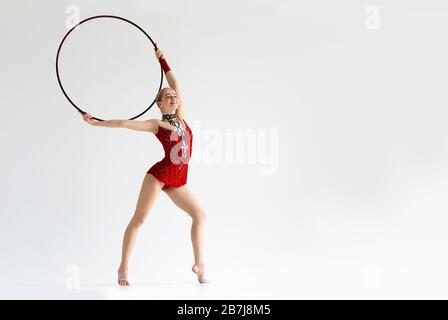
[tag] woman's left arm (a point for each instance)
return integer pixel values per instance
(172, 82)
(175, 86)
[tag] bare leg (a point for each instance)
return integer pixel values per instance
(186, 201)
(148, 194)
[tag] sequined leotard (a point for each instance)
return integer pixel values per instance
(173, 168)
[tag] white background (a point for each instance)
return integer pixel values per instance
(355, 208)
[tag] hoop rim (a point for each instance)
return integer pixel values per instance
(97, 17)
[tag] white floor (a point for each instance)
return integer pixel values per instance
(152, 291)
(325, 279)
(225, 291)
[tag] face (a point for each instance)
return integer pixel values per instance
(169, 101)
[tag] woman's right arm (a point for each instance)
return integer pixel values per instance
(109, 123)
(87, 117)
(150, 125)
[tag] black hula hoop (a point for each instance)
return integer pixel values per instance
(97, 17)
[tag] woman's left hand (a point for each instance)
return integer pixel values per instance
(159, 54)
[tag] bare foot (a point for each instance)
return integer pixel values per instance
(199, 269)
(122, 278)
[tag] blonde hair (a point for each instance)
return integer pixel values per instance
(160, 93)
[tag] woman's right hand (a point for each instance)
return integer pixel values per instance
(87, 117)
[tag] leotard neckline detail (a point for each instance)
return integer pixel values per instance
(186, 126)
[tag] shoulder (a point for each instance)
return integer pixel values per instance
(154, 121)
(180, 113)
(153, 125)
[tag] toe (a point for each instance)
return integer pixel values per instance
(123, 282)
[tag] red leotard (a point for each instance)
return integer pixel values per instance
(171, 170)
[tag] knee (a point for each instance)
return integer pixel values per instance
(199, 216)
(136, 222)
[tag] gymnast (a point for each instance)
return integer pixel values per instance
(168, 174)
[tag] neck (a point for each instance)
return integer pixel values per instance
(170, 117)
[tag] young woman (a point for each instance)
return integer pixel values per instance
(169, 174)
